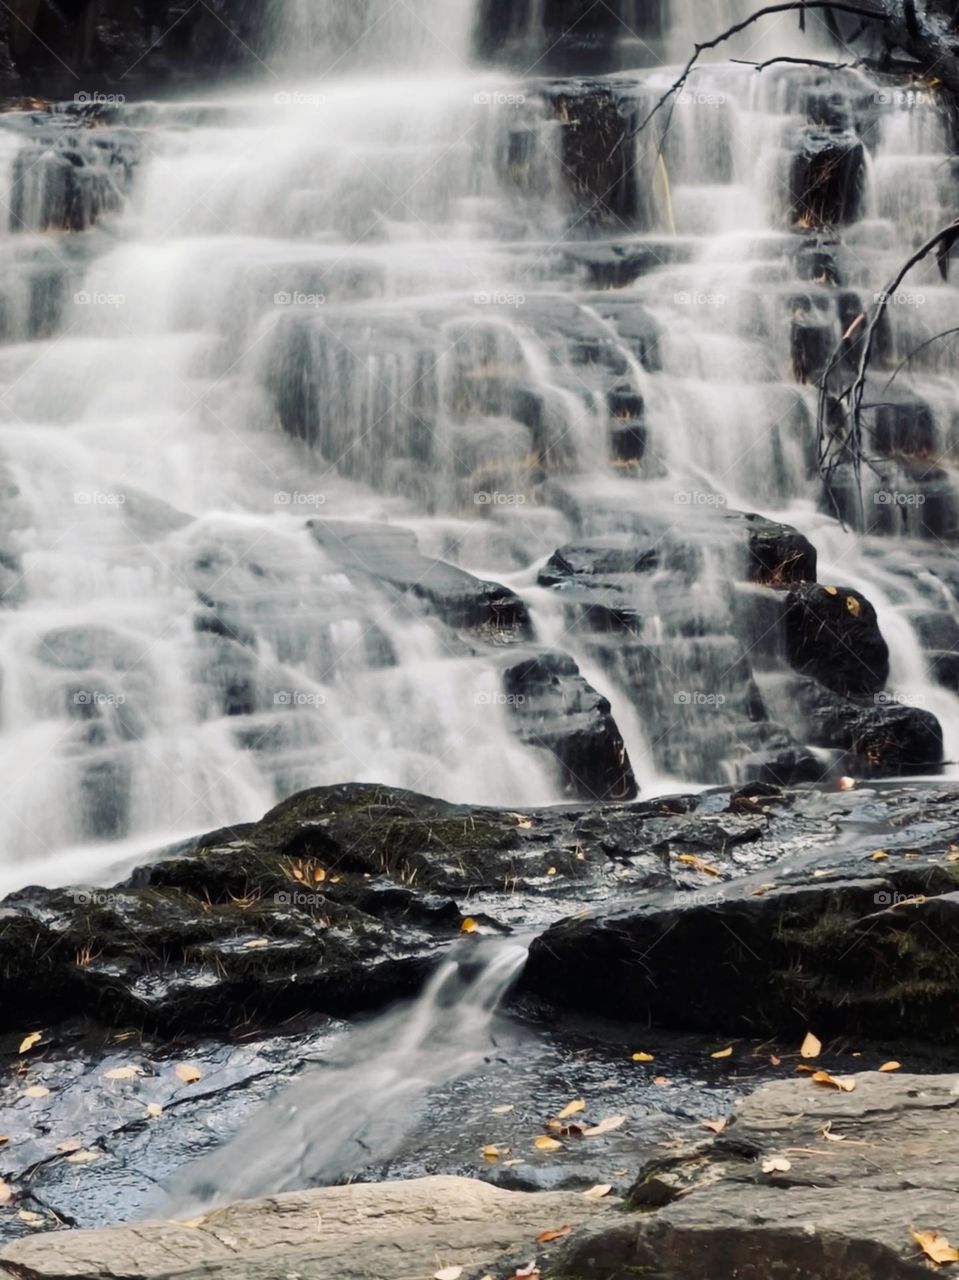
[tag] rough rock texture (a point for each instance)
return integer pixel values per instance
(832, 633)
(864, 1168)
(389, 1231)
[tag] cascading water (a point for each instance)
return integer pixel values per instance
(462, 305)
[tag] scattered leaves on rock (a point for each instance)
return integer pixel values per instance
(833, 1082)
(935, 1246)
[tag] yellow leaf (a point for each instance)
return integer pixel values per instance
(776, 1164)
(29, 1041)
(935, 1246)
(555, 1233)
(319, 875)
(34, 1219)
(69, 1146)
(83, 1157)
(831, 591)
(448, 1273)
(504, 1110)
(715, 1126)
(469, 925)
(6, 1194)
(605, 1126)
(596, 1193)
(493, 1152)
(123, 1073)
(571, 1109)
(853, 605)
(723, 1053)
(833, 1082)
(643, 1057)
(698, 864)
(811, 1046)
(890, 1066)
(254, 943)
(879, 856)
(552, 871)
(547, 1144)
(193, 1223)
(36, 1091)
(188, 1073)
(154, 1110)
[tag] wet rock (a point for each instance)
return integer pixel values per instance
(67, 179)
(559, 712)
(391, 556)
(904, 427)
(615, 264)
(832, 633)
(812, 346)
(840, 1210)
(826, 178)
(599, 162)
(880, 736)
(779, 555)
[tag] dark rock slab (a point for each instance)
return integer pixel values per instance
(392, 556)
(832, 633)
(880, 736)
(826, 177)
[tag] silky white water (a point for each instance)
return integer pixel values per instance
(400, 218)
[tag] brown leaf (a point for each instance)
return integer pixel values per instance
(596, 1193)
(555, 1233)
(571, 1109)
(543, 1143)
(890, 1066)
(29, 1041)
(715, 1126)
(469, 925)
(774, 1061)
(853, 605)
(935, 1246)
(188, 1073)
(811, 1046)
(697, 864)
(833, 1082)
(605, 1126)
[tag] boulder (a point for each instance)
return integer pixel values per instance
(832, 633)
(826, 177)
(558, 711)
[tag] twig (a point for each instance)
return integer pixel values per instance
(802, 62)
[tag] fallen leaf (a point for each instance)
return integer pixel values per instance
(154, 1109)
(571, 1109)
(3, 1139)
(698, 864)
(319, 875)
(605, 1126)
(556, 1233)
(661, 1080)
(6, 1194)
(448, 1273)
(123, 1073)
(643, 1057)
(493, 1152)
(831, 591)
(530, 1270)
(565, 1130)
(846, 784)
(880, 855)
(802, 1067)
(774, 1061)
(596, 1193)
(776, 1164)
(469, 925)
(543, 1143)
(255, 943)
(853, 605)
(723, 1053)
(83, 1157)
(29, 1041)
(935, 1246)
(827, 1133)
(811, 1046)
(715, 1126)
(188, 1073)
(34, 1219)
(508, 1164)
(763, 889)
(552, 871)
(833, 1082)
(953, 856)
(522, 821)
(890, 1066)
(504, 1110)
(36, 1091)
(69, 1146)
